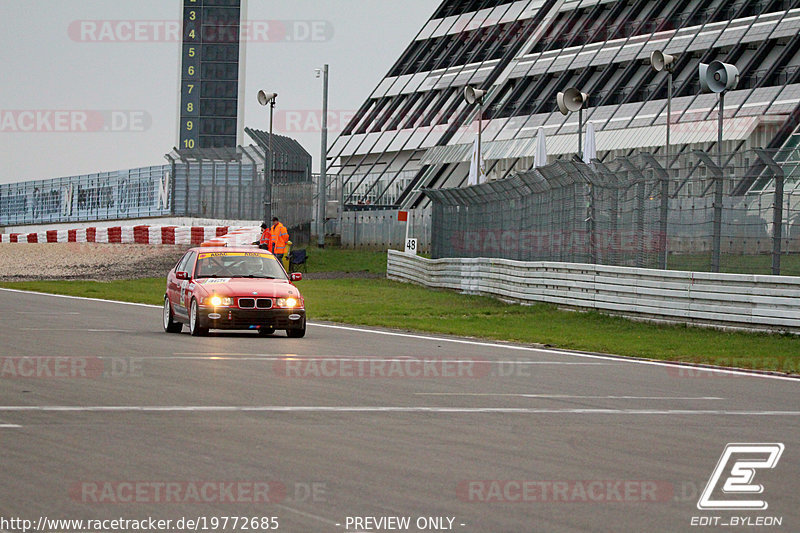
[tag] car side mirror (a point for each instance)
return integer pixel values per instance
(296, 276)
(182, 275)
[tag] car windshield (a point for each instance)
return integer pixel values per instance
(238, 265)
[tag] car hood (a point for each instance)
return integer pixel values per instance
(270, 288)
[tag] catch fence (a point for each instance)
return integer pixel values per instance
(689, 214)
(225, 184)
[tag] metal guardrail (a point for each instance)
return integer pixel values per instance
(740, 301)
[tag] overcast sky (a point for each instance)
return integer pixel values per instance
(59, 74)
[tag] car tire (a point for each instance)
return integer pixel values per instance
(298, 333)
(194, 318)
(170, 326)
(266, 330)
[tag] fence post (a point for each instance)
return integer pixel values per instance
(612, 237)
(663, 178)
(640, 195)
(591, 226)
(717, 238)
(641, 189)
(777, 209)
(716, 242)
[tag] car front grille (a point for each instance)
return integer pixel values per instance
(253, 303)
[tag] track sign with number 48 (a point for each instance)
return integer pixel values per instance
(411, 246)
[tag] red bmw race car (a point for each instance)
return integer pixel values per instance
(233, 288)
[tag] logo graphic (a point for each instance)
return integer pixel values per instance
(745, 459)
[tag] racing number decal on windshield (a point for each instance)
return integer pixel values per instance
(235, 254)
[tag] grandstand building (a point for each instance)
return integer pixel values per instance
(416, 130)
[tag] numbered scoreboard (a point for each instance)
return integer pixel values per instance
(210, 74)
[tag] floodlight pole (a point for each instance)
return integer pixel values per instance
(323, 178)
(719, 128)
(269, 170)
(580, 132)
(718, 193)
(480, 130)
(265, 98)
(665, 183)
(669, 111)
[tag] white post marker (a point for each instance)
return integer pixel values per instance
(411, 244)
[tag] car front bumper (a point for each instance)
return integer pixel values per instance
(234, 318)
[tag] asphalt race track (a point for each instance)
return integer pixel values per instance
(104, 416)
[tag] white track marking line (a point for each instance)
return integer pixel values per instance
(568, 396)
(378, 409)
(619, 359)
(10, 426)
(80, 298)
(472, 343)
(40, 313)
(367, 359)
(274, 358)
(79, 329)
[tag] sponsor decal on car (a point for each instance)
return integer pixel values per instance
(266, 255)
(211, 281)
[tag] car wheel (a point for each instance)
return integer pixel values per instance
(194, 321)
(170, 326)
(266, 330)
(297, 333)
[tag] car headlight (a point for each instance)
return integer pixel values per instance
(217, 301)
(287, 302)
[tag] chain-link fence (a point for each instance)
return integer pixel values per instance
(134, 193)
(692, 214)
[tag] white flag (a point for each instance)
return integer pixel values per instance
(476, 175)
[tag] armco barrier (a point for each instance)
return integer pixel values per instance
(742, 301)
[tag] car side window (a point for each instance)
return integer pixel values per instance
(181, 266)
(190, 264)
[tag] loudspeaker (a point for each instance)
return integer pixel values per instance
(473, 95)
(718, 77)
(661, 61)
(265, 98)
(571, 100)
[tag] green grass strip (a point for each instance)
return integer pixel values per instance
(380, 302)
(334, 259)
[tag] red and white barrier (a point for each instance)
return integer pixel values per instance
(235, 237)
(196, 235)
